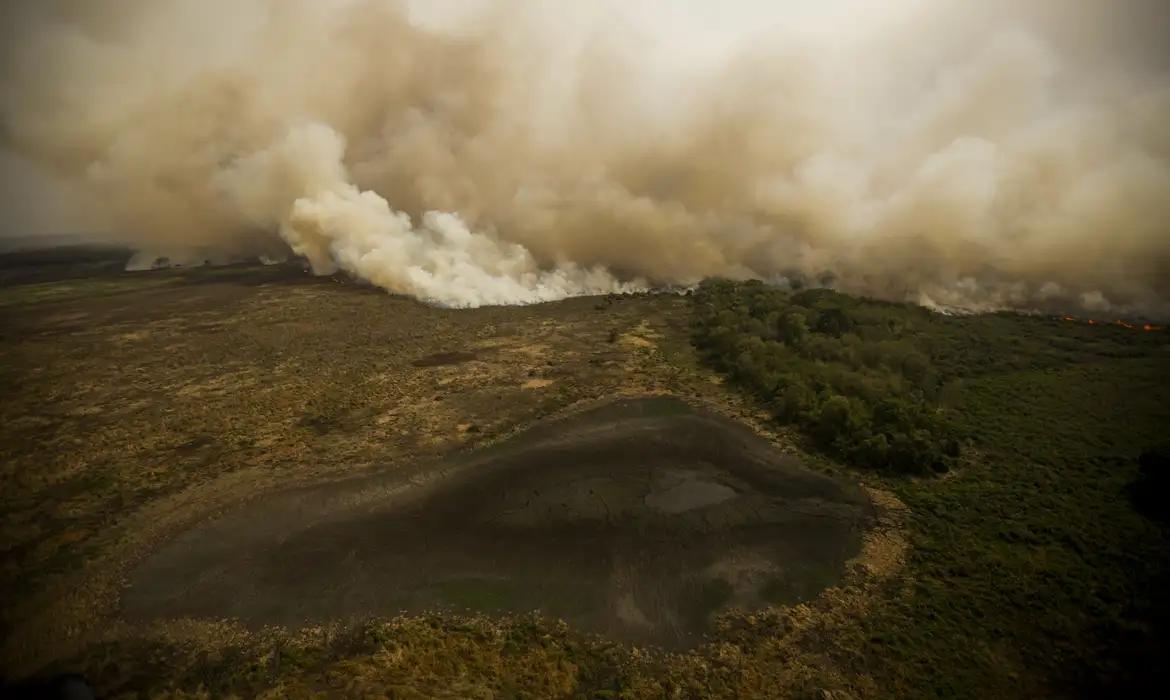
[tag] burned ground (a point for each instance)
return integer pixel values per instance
(625, 520)
(137, 408)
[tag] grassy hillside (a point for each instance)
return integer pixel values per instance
(1031, 573)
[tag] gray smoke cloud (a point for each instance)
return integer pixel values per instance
(961, 153)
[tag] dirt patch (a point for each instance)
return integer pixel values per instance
(884, 547)
(440, 359)
(668, 495)
(641, 336)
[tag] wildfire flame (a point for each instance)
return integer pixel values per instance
(1119, 322)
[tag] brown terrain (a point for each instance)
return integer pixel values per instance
(205, 460)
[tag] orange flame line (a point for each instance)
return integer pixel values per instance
(1119, 322)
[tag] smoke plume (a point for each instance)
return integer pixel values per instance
(976, 154)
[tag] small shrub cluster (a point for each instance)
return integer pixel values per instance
(846, 371)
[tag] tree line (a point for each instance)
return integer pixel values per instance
(850, 373)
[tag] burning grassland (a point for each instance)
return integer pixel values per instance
(1135, 325)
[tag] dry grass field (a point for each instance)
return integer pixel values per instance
(136, 406)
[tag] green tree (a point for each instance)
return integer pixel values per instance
(873, 452)
(794, 403)
(834, 321)
(832, 419)
(893, 415)
(793, 329)
(916, 367)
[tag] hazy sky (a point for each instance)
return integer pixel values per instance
(972, 152)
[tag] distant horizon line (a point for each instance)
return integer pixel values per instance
(48, 240)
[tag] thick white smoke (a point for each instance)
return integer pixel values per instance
(960, 153)
(333, 223)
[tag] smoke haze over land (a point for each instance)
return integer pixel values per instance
(962, 153)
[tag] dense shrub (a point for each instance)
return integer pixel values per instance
(846, 371)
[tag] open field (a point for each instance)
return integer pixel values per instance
(137, 407)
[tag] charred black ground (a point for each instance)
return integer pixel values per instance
(640, 519)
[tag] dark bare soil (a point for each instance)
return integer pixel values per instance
(640, 519)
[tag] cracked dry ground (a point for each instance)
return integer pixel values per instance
(135, 406)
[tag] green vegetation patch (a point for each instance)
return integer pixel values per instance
(848, 372)
(1032, 573)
